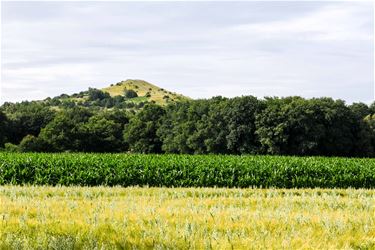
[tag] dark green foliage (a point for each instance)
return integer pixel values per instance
(129, 93)
(26, 118)
(130, 105)
(217, 125)
(54, 102)
(296, 126)
(140, 105)
(96, 94)
(104, 132)
(79, 129)
(3, 128)
(368, 135)
(66, 131)
(31, 143)
(360, 110)
(178, 130)
(10, 147)
(63, 96)
(372, 108)
(140, 133)
(241, 125)
(240, 115)
(68, 104)
(118, 101)
(286, 126)
(186, 171)
(90, 98)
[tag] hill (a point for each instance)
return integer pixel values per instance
(114, 96)
(145, 91)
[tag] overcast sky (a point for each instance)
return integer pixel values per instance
(199, 49)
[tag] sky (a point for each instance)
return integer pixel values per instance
(199, 49)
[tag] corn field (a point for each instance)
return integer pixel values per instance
(82, 169)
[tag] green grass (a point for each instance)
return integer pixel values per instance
(142, 88)
(185, 170)
(138, 99)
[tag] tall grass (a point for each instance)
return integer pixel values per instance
(185, 218)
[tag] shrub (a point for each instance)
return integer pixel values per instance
(10, 147)
(30, 143)
(129, 93)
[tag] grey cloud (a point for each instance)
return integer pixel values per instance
(200, 49)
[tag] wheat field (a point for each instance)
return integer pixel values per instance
(40, 217)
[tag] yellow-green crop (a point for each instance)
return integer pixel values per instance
(185, 218)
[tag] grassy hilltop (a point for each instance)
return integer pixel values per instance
(145, 91)
(115, 96)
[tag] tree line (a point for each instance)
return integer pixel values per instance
(240, 125)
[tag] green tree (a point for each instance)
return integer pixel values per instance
(10, 147)
(240, 115)
(360, 110)
(174, 129)
(363, 142)
(105, 132)
(3, 128)
(296, 126)
(217, 125)
(30, 143)
(129, 93)
(66, 131)
(140, 133)
(96, 94)
(26, 118)
(180, 130)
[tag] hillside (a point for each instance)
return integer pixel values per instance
(114, 96)
(145, 91)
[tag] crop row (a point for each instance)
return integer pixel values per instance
(185, 170)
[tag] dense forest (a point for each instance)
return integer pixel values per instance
(241, 125)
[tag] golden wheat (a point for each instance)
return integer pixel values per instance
(185, 218)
